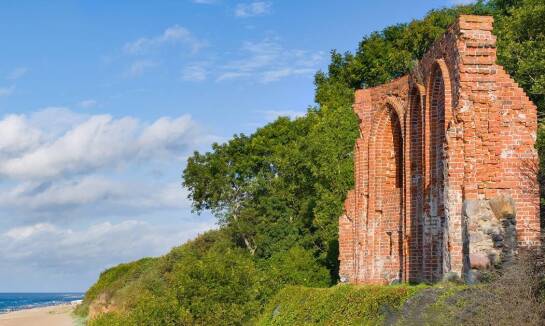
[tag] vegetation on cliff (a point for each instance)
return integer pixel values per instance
(278, 193)
(512, 296)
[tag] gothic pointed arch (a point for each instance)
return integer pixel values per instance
(386, 175)
(437, 112)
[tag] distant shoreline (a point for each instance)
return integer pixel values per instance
(45, 305)
(55, 314)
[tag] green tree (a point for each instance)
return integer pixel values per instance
(521, 45)
(521, 50)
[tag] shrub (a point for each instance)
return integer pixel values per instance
(218, 288)
(340, 305)
(109, 319)
(296, 266)
(114, 279)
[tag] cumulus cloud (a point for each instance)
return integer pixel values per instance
(88, 191)
(22, 233)
(167, 136)
(171, 36)
(100, 141)
(54, 121)
(269, 61)
(17, 135)
(93, 144)
(80, 192)
(51, 258)
(256, 8)
(100, 245)
(60, 166)
(39, 195)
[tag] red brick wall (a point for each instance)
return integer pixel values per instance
(456, 129)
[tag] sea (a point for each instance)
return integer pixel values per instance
(17, 301)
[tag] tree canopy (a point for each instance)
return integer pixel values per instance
(278, 193)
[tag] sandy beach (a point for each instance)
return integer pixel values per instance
(60, 315)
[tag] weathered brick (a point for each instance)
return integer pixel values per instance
(466, 133)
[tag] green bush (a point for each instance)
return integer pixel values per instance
(161, 310)
(113, 279)
(278, 193)
(109, 319)
(218, 288)
(339, 305)
(207, 281)
(296, 266)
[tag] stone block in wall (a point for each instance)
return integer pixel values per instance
(489, 234)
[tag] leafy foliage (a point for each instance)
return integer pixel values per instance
(217, 288)
(513, 295)
(285, 184)
(207, 281)
(277, 194)
(114, 279)
(521, 50)
(295, 266)
(521, 46)
(340, 305)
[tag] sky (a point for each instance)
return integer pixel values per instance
(101, 103)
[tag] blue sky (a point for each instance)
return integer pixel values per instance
(101, 103)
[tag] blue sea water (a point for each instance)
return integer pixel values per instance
(17, 301)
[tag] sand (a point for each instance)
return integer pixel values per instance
(55, 316)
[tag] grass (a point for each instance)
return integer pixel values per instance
(339, 305)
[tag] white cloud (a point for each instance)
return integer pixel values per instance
(269, 61)
(96, 246)
(17, 135)
(17, 73)
(195, 72)
(7, 91)
(87, 191)
(138, 67)
(53, 121)
(97, 142)
(256, 8)
(87, 104)
(167, 136)
(171, 36)
(22, 233)
(85, 167)
(277, 74)
(48, 257)
(232, 75)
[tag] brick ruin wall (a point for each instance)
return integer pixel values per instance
(445, 167)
